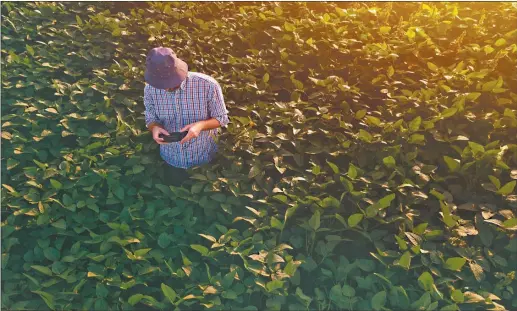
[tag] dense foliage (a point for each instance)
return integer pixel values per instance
(370, 164)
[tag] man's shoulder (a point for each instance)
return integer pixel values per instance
(148, 87)
(202, 77)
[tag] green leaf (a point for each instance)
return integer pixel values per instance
(314, 221)
(56, 184)
(386, 201)
(488, 49)
(473, 96)
(348, 291)
(200, 248)
(197, 187)
(426, 281)
(484, 232)
(420, 229)
(67, 200)
(138, 169)
(30, 50)
(365, 136)
(449, 112)
(289, 27)
(391, 71)
(169, 293)
(410, 34)
(42, 269)
(437, 194)
(452, 164)
(455, 263)
(12, 163)
(379, 300)
(415, 124)
(185, 259)
(352, 171)
(510, 223)
(417, 139)
(502, 165)
(133, 300)
(229, 278)
(334, 167)
(399, 298)
(489, 86)
(101, 304)
(273, 285)
(255, 170)
(330, 201)
(291, 267)
(389, 161)
(265, 78)
(276, 223)
(101, 290)
(508, 188)
(447, 216)
(402, 243)
(385, 29)
(405, 260)
(422, 303)
(432, 66)
(360, 114)
(51, 254)
(366, 265)
(354, 220)
(119, 193)
(41, 165)
(163, 240)
(142, 252)
(500, 42)
(509, 113)
(32, 279)
(495, 181)
(453, 307)
(457, 296)
(280, 197)
(48, 298)
(336, 293)
(306, 299)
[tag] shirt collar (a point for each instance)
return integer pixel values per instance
(183, 84)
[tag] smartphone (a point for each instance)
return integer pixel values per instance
(173, 137)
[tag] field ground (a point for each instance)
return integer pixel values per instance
(370, 163)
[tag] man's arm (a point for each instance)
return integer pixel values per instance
(152, 121)
(151, 118)
(195, 128)
(217, 108)
(210, 124)
(217, 112)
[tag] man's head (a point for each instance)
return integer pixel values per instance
(164, 70)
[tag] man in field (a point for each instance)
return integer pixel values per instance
(177, 100)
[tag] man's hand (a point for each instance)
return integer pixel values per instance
(157, 130)
(193, 131)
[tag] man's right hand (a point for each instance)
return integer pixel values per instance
(157, 130)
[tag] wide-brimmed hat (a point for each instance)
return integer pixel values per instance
(164, 69)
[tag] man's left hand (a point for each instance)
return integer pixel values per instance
(193, 131)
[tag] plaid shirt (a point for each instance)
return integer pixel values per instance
(199, 98)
